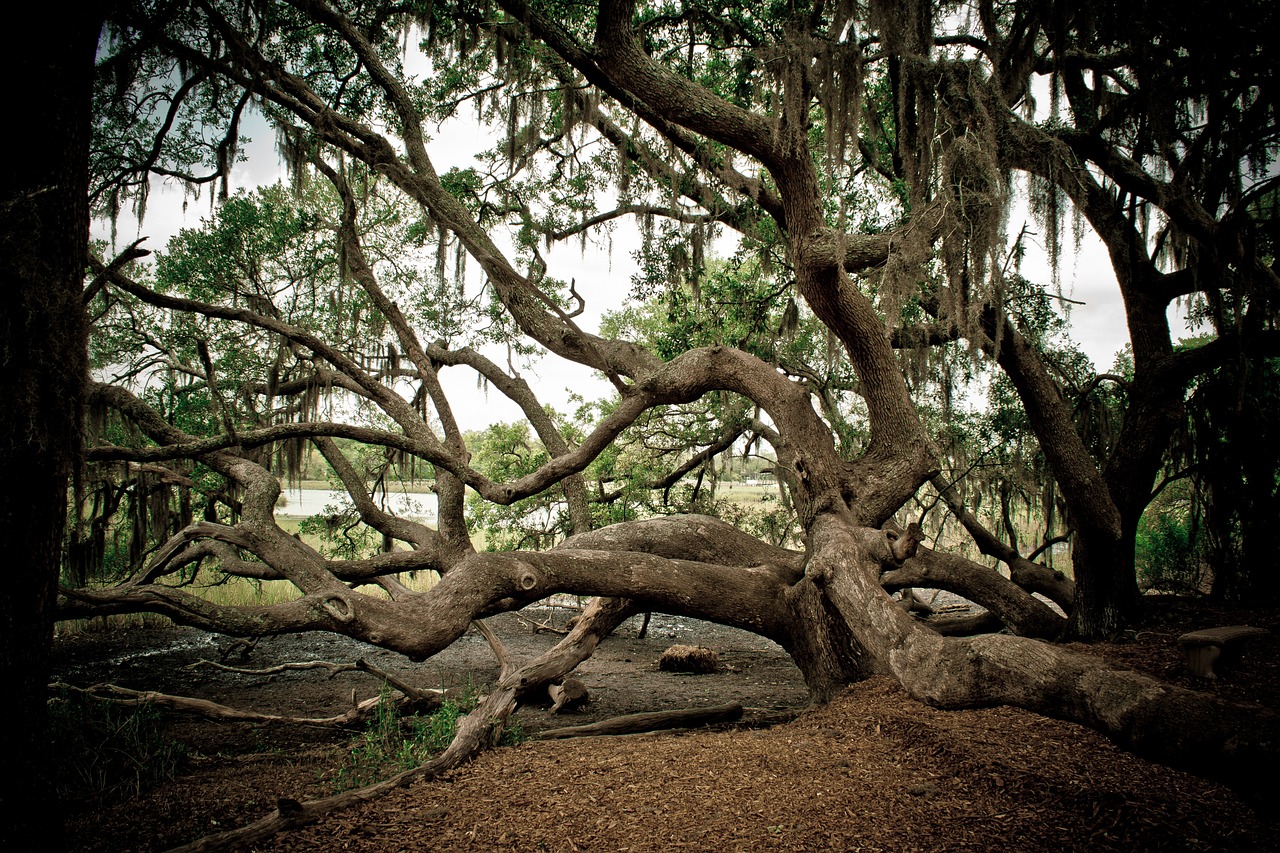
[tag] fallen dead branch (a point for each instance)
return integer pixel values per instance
(291, 814)
(568, 695)
(650, 721)
(476, 731)
(334, 668)
(505, 662)
(215, 711)
(539, 627)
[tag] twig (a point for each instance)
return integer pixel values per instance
(650, 721)
(543, 626)
(362, 665)
(334, 668)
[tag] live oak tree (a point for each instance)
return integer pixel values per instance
(864, 155)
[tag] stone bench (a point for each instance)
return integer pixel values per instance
(1203, 649)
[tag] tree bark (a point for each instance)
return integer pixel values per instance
(44, 232)
(1026, 615)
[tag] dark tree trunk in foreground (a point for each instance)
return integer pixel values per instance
(44, 231)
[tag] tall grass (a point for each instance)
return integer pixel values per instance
(104, 750)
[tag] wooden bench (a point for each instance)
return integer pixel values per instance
(1205, 648)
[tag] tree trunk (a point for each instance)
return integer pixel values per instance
(821, 644)
(1106, 586)
(44, 231)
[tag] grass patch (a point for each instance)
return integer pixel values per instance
(103, 749)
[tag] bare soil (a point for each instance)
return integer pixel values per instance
(872, 770)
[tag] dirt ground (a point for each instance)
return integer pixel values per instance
(872, 770)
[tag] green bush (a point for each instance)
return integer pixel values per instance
(1166, 554)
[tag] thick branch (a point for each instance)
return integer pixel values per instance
(1157, 720)
(1023, 614)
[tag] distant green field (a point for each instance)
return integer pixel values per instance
(743, 494)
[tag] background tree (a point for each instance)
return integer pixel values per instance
(1223, 469)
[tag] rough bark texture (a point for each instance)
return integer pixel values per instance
(1024, 614)
(44, 232)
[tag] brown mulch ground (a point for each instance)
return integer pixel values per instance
(872, 770)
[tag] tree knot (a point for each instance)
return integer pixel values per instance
(339, 608)
(527, 578)
(817, 572)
